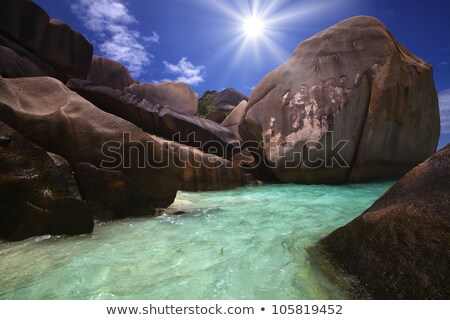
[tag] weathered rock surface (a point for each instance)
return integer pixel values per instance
(163, 121)
(227, 97)
(109, 73)
(66, 49)
(24, 21)
(62, 122)
(38, 195)
(232, 120)
(177, 95)
(110, 194)
(399, 247)
(357, 81)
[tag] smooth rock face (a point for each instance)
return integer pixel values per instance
(66, 49)
(227, 97)
(110, 194)
(24, 21)
(109, 73)
(232, 120)
(177, 95)
(216, 116)
(162, 121)
(399, 247)
(38, 196)
(62, 122)
(355, 80)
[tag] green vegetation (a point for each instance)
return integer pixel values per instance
(203, 103)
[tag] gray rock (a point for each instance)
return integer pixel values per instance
(358, 82)
(399, 247)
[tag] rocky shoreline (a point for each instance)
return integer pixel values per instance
(81, 140)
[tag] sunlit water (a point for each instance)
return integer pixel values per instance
(248, 243)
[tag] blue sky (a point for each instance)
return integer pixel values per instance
(204, 43)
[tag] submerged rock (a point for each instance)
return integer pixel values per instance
(358, 82)
(62, 122)
(38, 194)
(110, 194)
(399, 247)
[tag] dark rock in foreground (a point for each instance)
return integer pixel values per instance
(62, 122)
(38, 194)
(358, 82)
(400, 247)
(110, 194)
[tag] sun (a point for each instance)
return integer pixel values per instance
(253, 26)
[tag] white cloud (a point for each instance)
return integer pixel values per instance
(186, 71)
(110, 20)
(153, 38)
(444, 106)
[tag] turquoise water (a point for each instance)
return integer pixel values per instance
(247, 243)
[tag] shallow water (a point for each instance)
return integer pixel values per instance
(247, 243)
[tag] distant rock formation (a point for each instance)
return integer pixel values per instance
(358, 82)
(177, 95)
(38, 193)
(227, 97)
(159, 120)
(223, 101)
(399, 247)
